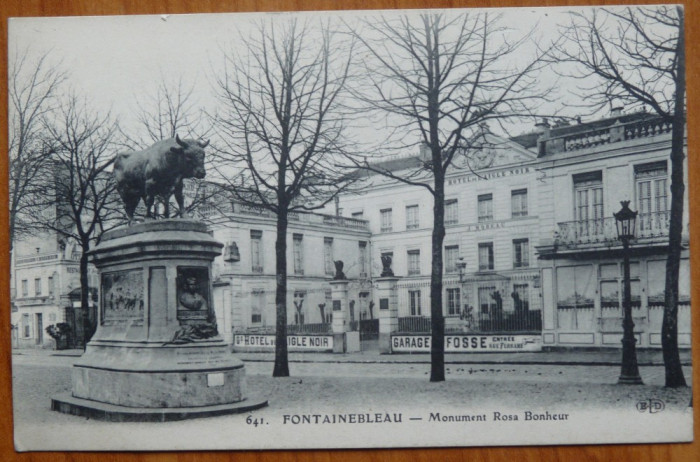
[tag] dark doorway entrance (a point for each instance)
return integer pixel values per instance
(369, 334)
(39, 329)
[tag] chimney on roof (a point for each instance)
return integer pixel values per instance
(542, 126)
(425, 152)
(616, 107)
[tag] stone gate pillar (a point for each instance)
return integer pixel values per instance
(341, 322)
(388, 312)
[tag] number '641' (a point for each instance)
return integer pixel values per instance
(254, 421)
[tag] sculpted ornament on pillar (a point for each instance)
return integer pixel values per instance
(386, 267)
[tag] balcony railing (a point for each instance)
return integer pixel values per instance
(604, 230)
(611, 134)
(301, 217)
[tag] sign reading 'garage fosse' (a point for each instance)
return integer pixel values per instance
(467, 343)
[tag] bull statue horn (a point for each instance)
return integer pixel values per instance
(203, 145)
(179, 141)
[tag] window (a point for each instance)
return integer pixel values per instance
(37, 287)
(257, 302)
(256, 256)
(612, 289)
(451, 212)
(486, 256)
(413, 262)
(358, 215)
(362, 258)
(521, 298)
(452, 302)
(487, 299)
(518, 202)
(386, 225)
(652, 197)
(412, 217)
(576, 287)
(485, 207)
(588, 203)
(25, 288)
(52, 286)
(27, 325)
(298, 250)
(451, 258)
(328, 255)
(414, 302)
(521, 253)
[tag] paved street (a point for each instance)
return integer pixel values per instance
(341, 386)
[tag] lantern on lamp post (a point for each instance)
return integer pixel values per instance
(625, 220)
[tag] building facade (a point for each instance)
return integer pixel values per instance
(244, 283)
(491, 279)
(530, 247)
(45, 279)
(585, 171)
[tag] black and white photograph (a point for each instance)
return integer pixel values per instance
(349, 229)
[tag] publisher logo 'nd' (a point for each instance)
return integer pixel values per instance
(651, 406)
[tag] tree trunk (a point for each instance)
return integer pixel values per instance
(669, 328)
(437, 321)
(88, 317)
(281, 368)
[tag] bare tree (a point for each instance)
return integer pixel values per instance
(442, 77)
(281, 125)
(637, 55)
(32, 88)
(84, 197)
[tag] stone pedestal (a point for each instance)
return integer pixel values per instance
(388, 312)
(157, 353)
(340, 323)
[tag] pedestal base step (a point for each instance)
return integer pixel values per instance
(68, 404)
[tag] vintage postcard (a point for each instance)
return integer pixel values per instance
(359, 229)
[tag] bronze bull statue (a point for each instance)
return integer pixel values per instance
(158, 171)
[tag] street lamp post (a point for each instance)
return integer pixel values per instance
(625, 221)
(461, 267)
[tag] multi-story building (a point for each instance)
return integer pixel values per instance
(45, 277)
(491, 279)
(244, 283)
(584, 171)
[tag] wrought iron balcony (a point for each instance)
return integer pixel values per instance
(602, 231)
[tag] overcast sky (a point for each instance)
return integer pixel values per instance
(114, 60)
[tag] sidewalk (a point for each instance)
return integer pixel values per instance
(568, 357)
(562, 357)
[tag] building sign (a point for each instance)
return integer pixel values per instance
(383, 303)
(244, 342)
(122, 295)
(489, 175)
(467, 343)
(336, 305)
